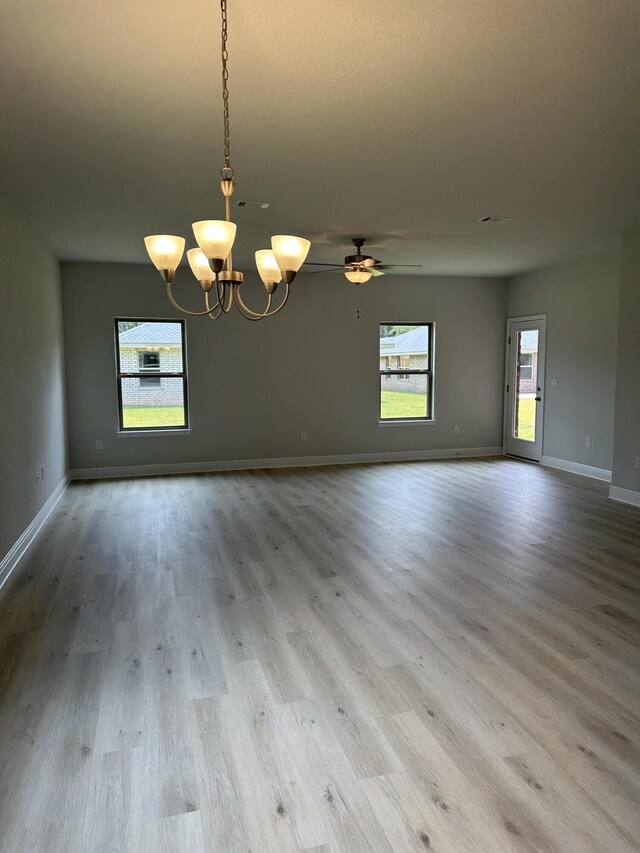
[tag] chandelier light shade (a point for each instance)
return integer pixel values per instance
(290, 252)
(268, 269)
(166, 252)
(358, 276)
(212, 263)
(215, 237)
(199, 264)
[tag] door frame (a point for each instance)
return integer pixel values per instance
(541, 380)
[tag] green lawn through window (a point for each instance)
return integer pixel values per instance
(407, 404)
(527, 419)
(393, 404)
(153, 416)
(402, 404)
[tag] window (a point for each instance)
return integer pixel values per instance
(149, 360)
(406, 371)
(159, 400)
(526, 365)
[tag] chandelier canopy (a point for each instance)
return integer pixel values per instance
(212, 263)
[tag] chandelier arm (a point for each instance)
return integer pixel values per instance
(221, 288)
(287, 289)
(211, 313)
(184, 310)
(247, 312)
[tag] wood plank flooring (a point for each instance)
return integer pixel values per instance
(437, 656)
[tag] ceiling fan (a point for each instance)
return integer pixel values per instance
(359, 268)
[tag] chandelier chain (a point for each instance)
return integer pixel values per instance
(226, 173)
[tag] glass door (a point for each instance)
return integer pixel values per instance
(525, 383)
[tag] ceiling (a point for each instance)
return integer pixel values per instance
(402, 122)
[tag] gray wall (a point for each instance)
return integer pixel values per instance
(254, 387)
(580, 298)
(627, 410)
(32, 413)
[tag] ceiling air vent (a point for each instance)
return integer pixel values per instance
(498, 220)
(253, 205)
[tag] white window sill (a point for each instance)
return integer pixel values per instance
(146, 433)
(412, 422)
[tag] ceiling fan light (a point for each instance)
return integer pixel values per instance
(165, 250)
(200, 265)
(290, 252)
(358, 276)
(215, 237)
(268, 266)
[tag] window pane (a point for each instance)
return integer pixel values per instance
(407, 347)
(150, 345)
(524, 425)
(158, 405)
(404, 396)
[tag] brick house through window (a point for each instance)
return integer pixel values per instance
(152, 348)
(528, 362)
(405, 352)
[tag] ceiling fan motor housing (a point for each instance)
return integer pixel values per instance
(356, 259)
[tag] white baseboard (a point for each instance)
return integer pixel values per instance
(577, 468)
(286, 462)
(21, 546)
(626, 496)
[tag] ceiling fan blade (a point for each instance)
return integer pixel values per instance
(314, 264)
(370, 262)
(399, 267)
(333, 269)
(375, 271)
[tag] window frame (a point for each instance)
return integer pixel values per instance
(428, 372)
(151, 372)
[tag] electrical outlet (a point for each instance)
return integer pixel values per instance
(303, 436)
(554, 383)
(98, 444)
(588, 441)
(637, 461)
(37, 477)
(456, 429)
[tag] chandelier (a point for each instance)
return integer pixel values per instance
(212, 263)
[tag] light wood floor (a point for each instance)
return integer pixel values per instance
(435, 656)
